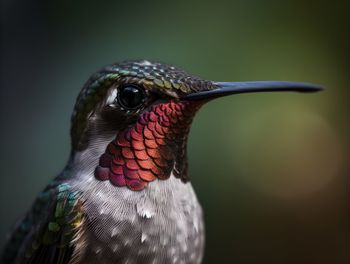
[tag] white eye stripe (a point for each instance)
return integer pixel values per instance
(111, 97)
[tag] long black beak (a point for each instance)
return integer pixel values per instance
(228, 88)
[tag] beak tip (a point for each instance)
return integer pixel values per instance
(316, 88)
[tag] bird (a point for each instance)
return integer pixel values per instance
(125, 195)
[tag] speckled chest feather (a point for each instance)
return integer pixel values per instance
(160, 224)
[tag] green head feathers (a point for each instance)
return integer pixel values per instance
(150, 75)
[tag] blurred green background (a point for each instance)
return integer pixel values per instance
(271, 170)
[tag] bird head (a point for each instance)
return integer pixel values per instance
(140, 112)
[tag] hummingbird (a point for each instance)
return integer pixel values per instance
(125, 195)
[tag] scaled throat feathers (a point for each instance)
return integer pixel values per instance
(151, 149)
(149, 143)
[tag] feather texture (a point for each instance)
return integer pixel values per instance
(46, 233)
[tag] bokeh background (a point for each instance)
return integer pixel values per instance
(271, 170)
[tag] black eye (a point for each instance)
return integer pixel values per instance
(131, 96)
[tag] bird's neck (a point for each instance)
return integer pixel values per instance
(153, 148)
(82, 163)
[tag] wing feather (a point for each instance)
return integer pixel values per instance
(45, 235)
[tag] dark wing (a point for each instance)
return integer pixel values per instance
(46, 233)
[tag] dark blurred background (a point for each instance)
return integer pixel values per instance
(271, 170)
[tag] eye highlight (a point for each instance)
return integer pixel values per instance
(131, 96)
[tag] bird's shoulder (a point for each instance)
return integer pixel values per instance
(45, 234)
